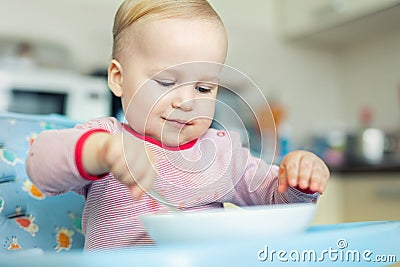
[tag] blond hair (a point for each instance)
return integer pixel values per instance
(132, 11)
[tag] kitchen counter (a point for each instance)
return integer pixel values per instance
(360, 196)
(387, 165)
(366, 168)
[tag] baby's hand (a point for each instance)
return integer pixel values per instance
(125, 157)
(303, 170)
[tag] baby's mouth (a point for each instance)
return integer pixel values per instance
(177, 123)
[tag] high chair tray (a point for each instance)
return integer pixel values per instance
(374, 243)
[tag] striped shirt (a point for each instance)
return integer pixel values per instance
(202, 174)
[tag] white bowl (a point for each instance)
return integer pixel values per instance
(246, 223)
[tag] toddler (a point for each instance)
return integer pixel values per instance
(167, 57)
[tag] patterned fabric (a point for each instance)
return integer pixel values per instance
(28, 218)
(213, 170)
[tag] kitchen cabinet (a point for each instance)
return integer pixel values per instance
(357, 197)
(335, 21)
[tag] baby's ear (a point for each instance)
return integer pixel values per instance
(115, 78)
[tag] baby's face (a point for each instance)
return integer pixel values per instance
(170, 76)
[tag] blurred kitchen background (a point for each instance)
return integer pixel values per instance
(329, 69)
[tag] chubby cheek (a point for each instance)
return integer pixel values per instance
(202, 125)
(141, 108)
(139, 114)
(206, 108)
(205, 116)
(136, 120)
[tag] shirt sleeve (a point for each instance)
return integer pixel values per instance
(54, 159)
(257, 182)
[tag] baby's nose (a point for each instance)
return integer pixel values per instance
(184, 97)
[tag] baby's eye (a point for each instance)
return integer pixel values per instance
(203, 89)
(165, 83)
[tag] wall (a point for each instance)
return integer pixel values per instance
(82, 27)
(370, 75)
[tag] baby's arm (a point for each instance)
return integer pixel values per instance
(301, 177)
(69, 159)
(50, 163)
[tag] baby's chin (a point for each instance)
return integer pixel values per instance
(187, 135)
(175, 141)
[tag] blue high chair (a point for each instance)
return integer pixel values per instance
(29, 219)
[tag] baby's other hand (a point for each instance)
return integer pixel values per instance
(304, 171)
